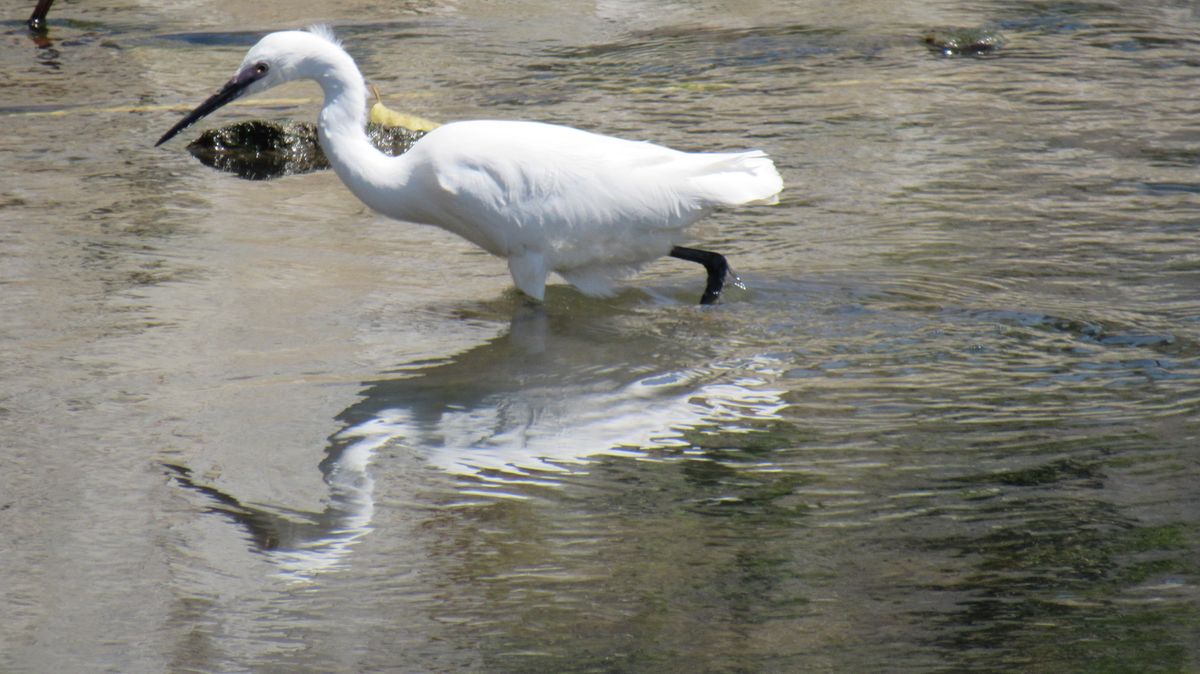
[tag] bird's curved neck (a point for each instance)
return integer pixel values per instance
(345, 96)
(341, 125)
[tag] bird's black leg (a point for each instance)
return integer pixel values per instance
(716, 265)
(37, 22)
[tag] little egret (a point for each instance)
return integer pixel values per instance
(547, 198)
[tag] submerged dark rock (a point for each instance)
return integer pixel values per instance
(955, 41)
(261, 150)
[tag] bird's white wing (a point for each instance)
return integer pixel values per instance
(557, 187)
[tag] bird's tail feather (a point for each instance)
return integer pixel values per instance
(738, 179)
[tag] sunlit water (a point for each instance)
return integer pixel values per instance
(950, 425)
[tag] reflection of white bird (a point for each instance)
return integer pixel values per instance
(544, 397)
(547, 198)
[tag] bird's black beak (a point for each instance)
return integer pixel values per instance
(232, 90)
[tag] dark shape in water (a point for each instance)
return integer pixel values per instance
(261, 150)
(955, 41)
(37, 21)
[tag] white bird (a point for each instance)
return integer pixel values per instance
(547, 198)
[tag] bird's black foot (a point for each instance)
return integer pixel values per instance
(714, 263)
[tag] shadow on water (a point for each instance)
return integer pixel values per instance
(1062, 578)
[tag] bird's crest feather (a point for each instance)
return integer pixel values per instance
(323, 31)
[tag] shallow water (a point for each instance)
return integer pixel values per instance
(950, 425)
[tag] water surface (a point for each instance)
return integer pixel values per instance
(950, 425)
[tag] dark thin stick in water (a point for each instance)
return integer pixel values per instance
(37, 22)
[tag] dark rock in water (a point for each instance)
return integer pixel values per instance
(261, 150)
(963, 41)
(393, 140)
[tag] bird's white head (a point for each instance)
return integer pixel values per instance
(286, 56)
(277, 58)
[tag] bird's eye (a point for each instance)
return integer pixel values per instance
(261, 68)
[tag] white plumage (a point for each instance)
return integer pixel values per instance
(547, 198)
